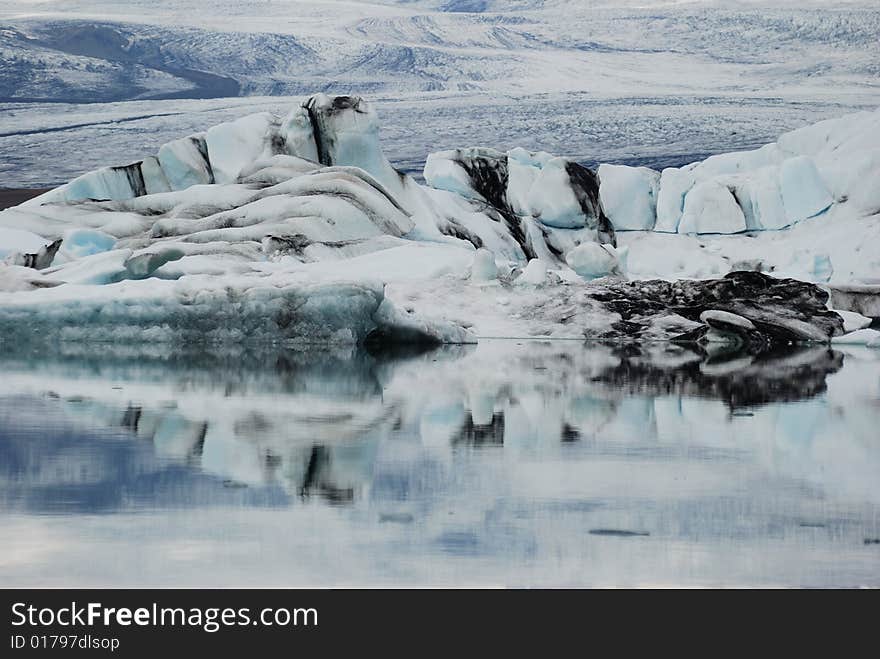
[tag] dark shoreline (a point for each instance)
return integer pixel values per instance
(14, 196)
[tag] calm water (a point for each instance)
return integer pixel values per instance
(509, 463)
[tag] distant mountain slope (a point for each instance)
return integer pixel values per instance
(110, 51)
(655, 82)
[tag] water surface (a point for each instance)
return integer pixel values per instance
(505, 464)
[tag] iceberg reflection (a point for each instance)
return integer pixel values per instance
(506, 451)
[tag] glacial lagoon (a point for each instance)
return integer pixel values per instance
(509, 463)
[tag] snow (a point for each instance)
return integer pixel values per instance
(629, 196)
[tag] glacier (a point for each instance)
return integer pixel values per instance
(298, 228)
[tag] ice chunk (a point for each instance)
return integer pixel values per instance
(154, 178)
(185, 162)
(483, 267)
(39, 259)
(534, 197)
(737, 162)
(474, 173)
(85, 242)
(106, 183)
(449, 217)
(846, 175)
(810, 265)
(289, 221)
(235, 144)
(444, 171)
(398, 326)
(803, 191)
(865, 337)
(298, 134)
(216, 309)
(346, 132)
(102, 268)
(861, 298)
(761, 200)
(523, 169)
(629, 196)
(139, 266)
(592, 260)
(534, 274)
(674, 185)
(853, 321)
(718, 318)
(552, 198)
(711, 208)
(17, 278)
(194, 309)
(331, 204)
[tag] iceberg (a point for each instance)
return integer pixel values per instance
(299, 229)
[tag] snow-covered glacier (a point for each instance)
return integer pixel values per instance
(298, 228)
